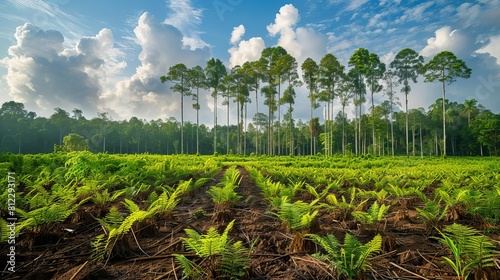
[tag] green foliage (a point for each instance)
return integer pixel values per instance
(374, 214)
(164, 205)
(298, 215)
(341, 207)
(351, 258)
(116, 228)
(432, 214)
(74, 143)
(225, 191)
(222, 258)
(472, 252)
(42, 219)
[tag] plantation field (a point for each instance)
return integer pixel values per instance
(100, 216)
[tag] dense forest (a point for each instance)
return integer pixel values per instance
(445, 128)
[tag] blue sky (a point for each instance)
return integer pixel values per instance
(108, 55)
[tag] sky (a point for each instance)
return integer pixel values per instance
(107, 56)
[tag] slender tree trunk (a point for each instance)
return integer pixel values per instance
(413, 139)
(279, 117)
(436, 143)
(343, 130)
(182, 122)
(238, 112)
(245, 131)
(197, 122)
(406, 101)
(373, 126)
(257, 126)
(311, 124)
(227, 129)
(421, 145)
(444, 118)
(215, 121)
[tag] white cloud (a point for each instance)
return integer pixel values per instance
(142, 94)
(43, 74)
(355, 4)
(300, 42)
(387, 58)
(447, 39)
(468, 13)
(237, 33)
(493, 48)
(416, 13)
(246, 51)
(187, 19)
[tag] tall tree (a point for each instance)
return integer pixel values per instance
(310, 76)
(445, 67)
(197, 81)
(345, 94)
(215, 72)
(252, 70)
(375, 72)
(281, 63)
(331, 72)
(390, 83)
(360, 60)
(292, 77)
(407, 65)
(178, 74)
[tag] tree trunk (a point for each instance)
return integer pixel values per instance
(421, 145)
(227, 129)
(373, 127)
(215, 121)
(413, 140)
(444, 118)
(406, 101)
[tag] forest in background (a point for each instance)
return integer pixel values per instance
(445, 128)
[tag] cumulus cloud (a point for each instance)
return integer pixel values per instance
(447, 39)
(493, 48)
(143, 94)
(246, 50)
(300, 42)
(237, 33)
(43, 74)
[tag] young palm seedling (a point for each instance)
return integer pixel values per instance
(115, 240)
(371, 219)
(432, 214)
(350, 259)
(298, 218)
(473, 253)
(218, 256)
(224, 195)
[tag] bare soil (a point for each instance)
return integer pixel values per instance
(408, 252)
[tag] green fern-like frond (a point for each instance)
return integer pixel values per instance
(234, 261)
(164, 205)
(130, 205)
(470, 248)
(352, 257)
(329, 243)
(374, 214)
(209, 244)
(297, 215)
(190, 268)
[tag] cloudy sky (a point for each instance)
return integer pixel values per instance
(107, 56)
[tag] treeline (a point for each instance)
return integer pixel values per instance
(472, 130)
(445, 128)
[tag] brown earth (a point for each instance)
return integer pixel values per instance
(408, 252)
